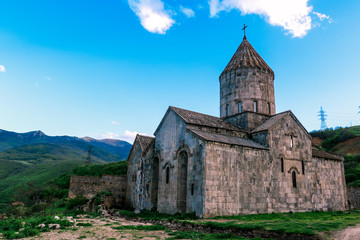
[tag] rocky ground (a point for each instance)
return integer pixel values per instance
(101, 228)
(104, 228)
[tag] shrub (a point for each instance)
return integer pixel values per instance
(76, 202)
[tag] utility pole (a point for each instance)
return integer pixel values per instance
(88, 158)
(322, 116)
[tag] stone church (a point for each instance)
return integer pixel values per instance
(249, 160)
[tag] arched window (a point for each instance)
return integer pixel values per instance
(167, 175)
(294, 179)
(282, 164)
(239, 106)
(291, 141)
(255, 106)
(227, 109)
(192, 189)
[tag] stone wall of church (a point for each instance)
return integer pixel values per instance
(330, 191)
(247, 85)
(236, 180)
(172, 139)
(133, 176)
(247, 120)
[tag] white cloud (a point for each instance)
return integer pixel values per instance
(323, 17)
(292, 15)
(152, 14)
(187, 11)
(114, 123)
(128, 136)
(2, 68)
(48, 78)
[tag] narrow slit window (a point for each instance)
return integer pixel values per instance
(294, 179)
(192, 189)
(291, 141)
(255, 106)
(227, 110)
(167, 175)
(239, 106)
(282, 164)
(269, 108)
(303, 167)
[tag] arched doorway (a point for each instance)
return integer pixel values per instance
(182, 181)
(155, 183)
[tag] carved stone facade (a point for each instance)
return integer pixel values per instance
(250, 160)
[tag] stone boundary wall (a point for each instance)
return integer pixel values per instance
(354, 197)
(88, 187)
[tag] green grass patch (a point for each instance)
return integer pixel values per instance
(308, 223)
(205, 236)
(84, 224)
(142, 227)
(10, 228)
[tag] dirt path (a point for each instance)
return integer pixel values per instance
(351, 233)
(101, 228)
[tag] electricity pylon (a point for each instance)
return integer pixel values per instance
(322, 116)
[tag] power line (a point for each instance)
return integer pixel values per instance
(322, 116)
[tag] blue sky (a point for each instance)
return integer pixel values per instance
(111, 68)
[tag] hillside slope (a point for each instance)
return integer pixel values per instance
(34, 158)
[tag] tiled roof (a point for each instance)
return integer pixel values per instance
(214, 137)
(323, 154)
(246, 56)
(145, 141)
(191, 117)
(270, 122)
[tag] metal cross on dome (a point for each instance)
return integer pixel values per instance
(244, 29)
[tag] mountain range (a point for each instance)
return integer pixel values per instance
(35, 158)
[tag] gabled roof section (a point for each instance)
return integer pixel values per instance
(215, 137)
(144, 141)
(246, 56)
(268, 124)
(196, 118)
(322, 154)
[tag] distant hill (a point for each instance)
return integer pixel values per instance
(34, 158)
(344, 141)
(119, 148)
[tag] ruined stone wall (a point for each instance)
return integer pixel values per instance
(354, 197)
(172, 139)
(117, 186)
(84, 186)
(247, 85)
(88, 187)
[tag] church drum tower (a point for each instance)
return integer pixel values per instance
(247, 88)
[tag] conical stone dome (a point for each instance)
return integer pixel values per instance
(246, 56)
